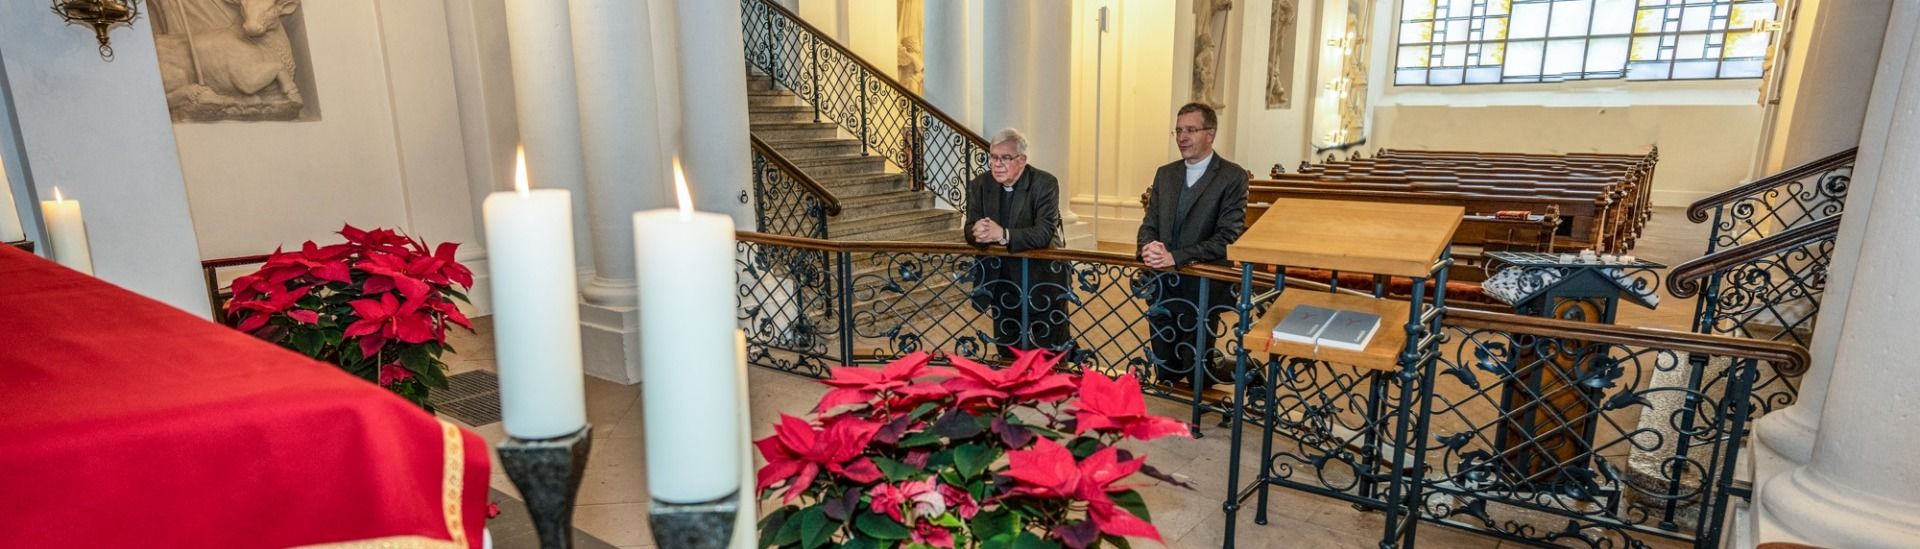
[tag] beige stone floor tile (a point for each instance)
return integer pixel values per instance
(621, 524)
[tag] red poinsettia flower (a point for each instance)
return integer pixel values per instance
(892, 500)
(855, 386)
(388, 318)
(393, 373)
(961, 502)
(798, 451)
(263, 310)
(1030, 379)
(1118, 406)
(927, 533)
(1048, 471)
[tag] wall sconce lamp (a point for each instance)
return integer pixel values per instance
(102, 15)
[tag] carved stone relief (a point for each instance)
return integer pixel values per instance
(1280, 50)
(233, 60)
(912, 67)
(1209, 28)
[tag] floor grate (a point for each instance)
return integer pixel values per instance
(472, 398)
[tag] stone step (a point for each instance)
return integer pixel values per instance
(884, 203)
(855, 185)
(759, 82)
(769, 98)
(788, 131)
(840, 165)
(892, 226)
(780, 113)
(797, 149)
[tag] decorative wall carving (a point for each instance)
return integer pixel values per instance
(1280, 50)
(912, 70)
(233, 60)
(1209, 29)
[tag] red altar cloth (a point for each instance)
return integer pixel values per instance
(127, 423)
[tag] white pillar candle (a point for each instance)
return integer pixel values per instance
(536, 314)
(685, 268)
(744, 533)
(10, 228)
(67, 233)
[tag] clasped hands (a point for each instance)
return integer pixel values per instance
(985, 231)
(1156, 255)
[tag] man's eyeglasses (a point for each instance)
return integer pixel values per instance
(1189, 131)
(1005, 158)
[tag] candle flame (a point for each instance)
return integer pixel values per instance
(56, 194)
(680, 189)
(520, 170)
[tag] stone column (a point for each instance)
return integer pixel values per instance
(1860, 488)
(945, 51)
(714, 149)
(1822, 112)
(1029, 87)
(540, 42)
(613, 51)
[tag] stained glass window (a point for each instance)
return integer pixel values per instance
(1448, 42)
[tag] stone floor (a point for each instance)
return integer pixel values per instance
(613, 497)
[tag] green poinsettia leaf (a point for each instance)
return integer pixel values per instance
(771, 527)
(815, 528)
(921, 411)
(1133, 503)
(862, 543)
(789, 533)
(916, 440)
(973, 459)
(1083, 447)
(1028, 540)
(895, 470)
(881, 527)
(1116, 541)
(947, 520)
(995, 524)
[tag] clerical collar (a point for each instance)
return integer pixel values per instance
(1202, 163)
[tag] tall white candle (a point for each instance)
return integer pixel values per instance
(67, 232)
(536, 315)
(10, 228)
(744, 535)
(685, 266)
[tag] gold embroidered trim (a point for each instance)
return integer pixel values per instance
(453, 476)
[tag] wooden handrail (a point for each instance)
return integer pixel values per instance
(781, 163)
(1683, 281)
(1791, 359)
(822, 37)
(234, 261)
(1701, 210)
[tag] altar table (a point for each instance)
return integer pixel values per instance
(125, 422)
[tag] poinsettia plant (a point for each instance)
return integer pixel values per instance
(969, 456)
(377, 305)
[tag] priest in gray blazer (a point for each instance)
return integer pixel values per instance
(1196, 207)
(1016, 207)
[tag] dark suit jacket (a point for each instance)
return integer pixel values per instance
(1034, 223)
(1196, 224)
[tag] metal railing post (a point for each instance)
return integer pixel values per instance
(865, 143)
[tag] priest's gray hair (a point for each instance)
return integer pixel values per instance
(1010, 134)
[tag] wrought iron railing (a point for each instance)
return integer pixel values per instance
(1539, 431)
(1797, 195)
(787, 201)
(937, 153)
(1767, 289)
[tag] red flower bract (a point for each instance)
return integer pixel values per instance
(856, 386)
(798, 451)
(1048, 471)
(1118, 406)
(1030, 379)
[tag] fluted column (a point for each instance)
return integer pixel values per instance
(945, 52)
(613, 54)
(540, 43)
(1028, 86)
(714, 148)
(1833, 98)
(1860, 489)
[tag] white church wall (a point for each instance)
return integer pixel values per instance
(1266, 137)
(1134, 112)
(868, 27)
(100, 131)
(385, 153)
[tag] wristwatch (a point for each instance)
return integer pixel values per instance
(1005, 236)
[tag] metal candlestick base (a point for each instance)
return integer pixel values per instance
(548, 472)
(707, 525)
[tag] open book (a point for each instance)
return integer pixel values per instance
(1339, 329)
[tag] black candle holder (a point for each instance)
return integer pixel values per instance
(705, 525)
(548, 472)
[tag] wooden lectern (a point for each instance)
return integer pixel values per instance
(1393, 374)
